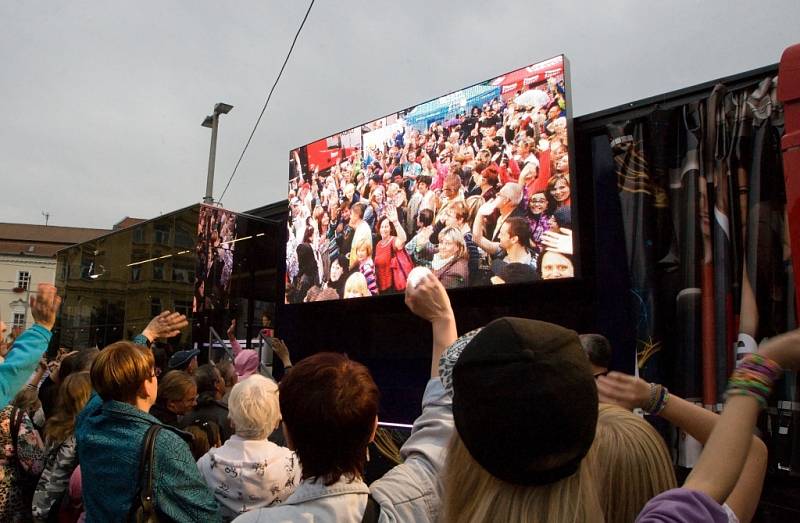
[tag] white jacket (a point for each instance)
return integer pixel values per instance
(249, 474)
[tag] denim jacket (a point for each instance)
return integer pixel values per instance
(409, 492)
(110, 436)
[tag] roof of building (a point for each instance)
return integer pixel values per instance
(128, 222)
(40, 240)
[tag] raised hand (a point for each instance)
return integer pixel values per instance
(165, 325)
(281, 351)
(427, 297)
(559, 242)
(232, 329)
(623, 390)
(45, 304)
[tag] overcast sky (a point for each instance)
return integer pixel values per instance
(104, 100)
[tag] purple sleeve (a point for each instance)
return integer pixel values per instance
(682, 506)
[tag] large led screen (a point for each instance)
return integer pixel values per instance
(474, 185)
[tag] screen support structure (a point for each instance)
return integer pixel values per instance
(213, 338)
(264, 366)
(789, 94)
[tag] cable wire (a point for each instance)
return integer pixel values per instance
(280, 73)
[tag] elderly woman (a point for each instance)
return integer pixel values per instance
(248, 471)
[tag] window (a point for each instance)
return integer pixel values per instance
(138, 235)
(136, 273)
(158, 271)
(23, 280)
(162, 233)
(184, 307)
(182, 273)
(19, 320)
(155, 306)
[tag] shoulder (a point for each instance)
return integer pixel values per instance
(681, 505)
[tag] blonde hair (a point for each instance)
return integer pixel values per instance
(630, 463)
(73, 394)
(363, 243)
(457, 237)
(253, 407)
(473, 495)
(357, 283)
(120, 369)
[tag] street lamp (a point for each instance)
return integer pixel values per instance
(212, 122)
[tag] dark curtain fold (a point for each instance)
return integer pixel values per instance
(702, 201)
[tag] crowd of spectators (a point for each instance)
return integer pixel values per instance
(511, 428)
(479, 198)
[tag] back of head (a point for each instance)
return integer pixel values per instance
(120, 369)
(597, 348)
(207, 378)
(253, 407)
(205, 434)
(525, 411)
(630, 463)
(473, 495)
(329, 405)
(73, 394)
(246, 363)
(228, 372)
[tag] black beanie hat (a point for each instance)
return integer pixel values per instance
(524, 398)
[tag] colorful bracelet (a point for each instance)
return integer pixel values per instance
(659, 395)
(754, 377)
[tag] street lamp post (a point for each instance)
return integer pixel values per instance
(212, 122)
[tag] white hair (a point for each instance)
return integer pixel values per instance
(512, 191)
(253, 407)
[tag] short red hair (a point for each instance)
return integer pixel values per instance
(329, 404)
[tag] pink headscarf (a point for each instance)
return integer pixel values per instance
(246, 364)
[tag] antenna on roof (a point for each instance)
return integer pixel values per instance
(46, 217)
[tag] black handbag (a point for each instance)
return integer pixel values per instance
(143, 509)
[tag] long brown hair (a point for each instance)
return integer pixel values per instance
(473, 495)
(73, 393)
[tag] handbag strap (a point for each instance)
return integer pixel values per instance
(16, 424)
(146, 467)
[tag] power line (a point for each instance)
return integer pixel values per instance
(285, 61)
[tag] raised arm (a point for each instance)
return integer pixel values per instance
(477, 235)
(28, 348)
(235, 345)
(630, 392)
(165, 325)
(428, 299)
(725, 453)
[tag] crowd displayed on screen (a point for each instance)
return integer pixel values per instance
(481, 196)
(216, 230)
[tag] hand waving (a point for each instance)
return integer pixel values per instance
(165, 325)
(45, 304)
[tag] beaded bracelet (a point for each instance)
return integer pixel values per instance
(659, 395)
(754, 377)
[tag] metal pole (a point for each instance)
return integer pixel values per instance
(212, 158)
